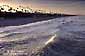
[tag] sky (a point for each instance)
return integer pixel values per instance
(59, 6)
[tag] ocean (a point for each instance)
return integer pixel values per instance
(64, 36)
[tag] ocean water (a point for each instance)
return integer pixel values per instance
(63, 36)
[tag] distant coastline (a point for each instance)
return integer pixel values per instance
(21, 18)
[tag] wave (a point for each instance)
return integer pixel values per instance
(55, 37)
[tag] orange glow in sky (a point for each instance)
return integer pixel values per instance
(68, 7)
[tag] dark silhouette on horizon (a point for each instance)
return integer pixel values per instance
(24, 16)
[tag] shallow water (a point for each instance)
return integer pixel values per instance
(27, 39)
